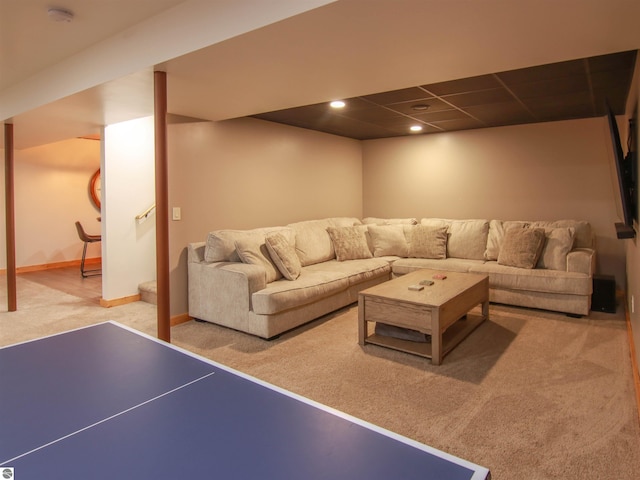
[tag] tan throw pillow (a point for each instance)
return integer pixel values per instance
(254, 251)
(283, 254)
(388, 240)
(559, 242)
(521, 247)
(427, 241)
(350, 243)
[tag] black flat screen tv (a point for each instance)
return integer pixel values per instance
(626, 172)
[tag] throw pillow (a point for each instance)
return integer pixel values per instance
(427, 241)
(283, 255)
(254, 251)
(521, 247)
(559, 242)
(388, 240)
(349, 243)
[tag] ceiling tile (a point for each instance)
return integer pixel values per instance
(560, 91)
(482, 97)
(397, 96)
(463, 85)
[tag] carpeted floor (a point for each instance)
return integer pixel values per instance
(530, 394)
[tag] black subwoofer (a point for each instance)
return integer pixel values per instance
(603, 298)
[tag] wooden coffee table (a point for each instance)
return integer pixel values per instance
(440, 310)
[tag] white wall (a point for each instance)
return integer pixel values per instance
(128, 189)
(249, 173)
(51, 185)
(542, 171)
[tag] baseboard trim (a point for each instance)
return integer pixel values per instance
(114, 302)
(51, 266)
(632, 353)
(179, 319)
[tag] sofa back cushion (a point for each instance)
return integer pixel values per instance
(253, 250)
(583, 237)
(558, 243)
(389, 221)
(497, 228)
(468, 239)
(221, 244)
(312, 241)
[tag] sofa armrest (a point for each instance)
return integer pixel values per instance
(582, 260)
(195, 252)
(222, 290)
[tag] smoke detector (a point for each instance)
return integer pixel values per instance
(60, 15)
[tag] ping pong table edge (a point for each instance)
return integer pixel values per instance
(479, 472)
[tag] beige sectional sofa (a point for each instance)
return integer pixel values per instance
(266, 281)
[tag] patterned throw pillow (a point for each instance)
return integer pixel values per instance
(349, 243)
(521, 247)
(426, 241)
(283, 255)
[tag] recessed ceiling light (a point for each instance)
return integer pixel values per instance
(337, 104)
(416, 128)
(420, 107)
(60, 14)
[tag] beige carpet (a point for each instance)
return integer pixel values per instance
(530, 395)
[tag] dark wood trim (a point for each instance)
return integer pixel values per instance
(162, 206)
(632, 354)
(12, 297)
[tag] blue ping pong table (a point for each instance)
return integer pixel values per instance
(105, 402)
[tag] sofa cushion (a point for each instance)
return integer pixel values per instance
(388, 240)
(403, 266)
(253, 250)
(502, 277)
(427, 241)
(349, 243)
(467, 239)
(221, 244)
(284, 255)
(309, 287)
(558, 243)
(389, 221)
(355, 271)
(312, 241)
(496, 235)
(521, 247)
(436, 222)
(583, 235)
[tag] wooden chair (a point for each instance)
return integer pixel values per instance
(87, 239)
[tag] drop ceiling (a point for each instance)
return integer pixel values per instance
(557, 91)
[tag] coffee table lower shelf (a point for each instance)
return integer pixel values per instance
(450, 338)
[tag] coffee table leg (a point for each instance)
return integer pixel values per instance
(485, 309)
(362, 324)
(436, 338)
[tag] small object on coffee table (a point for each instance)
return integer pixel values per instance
(417, 288)
(439, 276)
(426, 282)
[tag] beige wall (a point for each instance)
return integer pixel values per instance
(250, 173)
(51, 193)
(552, 170)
